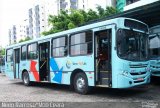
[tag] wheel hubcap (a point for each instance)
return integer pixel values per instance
(25, 78)
(80, 83)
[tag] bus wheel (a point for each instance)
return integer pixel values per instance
(81, 83)
(26, 80)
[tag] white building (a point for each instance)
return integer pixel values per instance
(38, 16)
(92, 4)
(12, 33)
(51, 8)
(22, 30)
(85, 4)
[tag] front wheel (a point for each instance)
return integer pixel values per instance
(26, 80)
(81, 83)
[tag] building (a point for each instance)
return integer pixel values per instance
(22, 30)
(37, 21)
(12, 35)
(124, 5)
(84, 4)
(30, 13)
(38, 16)
(103, 3)
(67, 4)
(9, 36)
(51, 8)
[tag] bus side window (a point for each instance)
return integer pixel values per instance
(32, 51)
(59, 47)
(23, 52)
(9, 57)
(81, 43)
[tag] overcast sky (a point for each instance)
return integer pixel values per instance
(12, 12)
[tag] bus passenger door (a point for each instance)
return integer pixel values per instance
(103, 57)
(44, 61)
(16, 62)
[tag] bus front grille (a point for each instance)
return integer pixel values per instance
(138, 73)
(138, 66)
(138, 81)
(156, 72)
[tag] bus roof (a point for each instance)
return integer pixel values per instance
(74, 30)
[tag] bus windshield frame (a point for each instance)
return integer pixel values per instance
(154, 46)
(132, 45)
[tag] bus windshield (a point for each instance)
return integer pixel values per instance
(154, 42)
(132, 45)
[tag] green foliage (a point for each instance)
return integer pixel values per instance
(92, 15)
(76, 17)
(26, 39)
(21, 41)
(73, 18)
(101, 11)
(71, 25)
(2, 51)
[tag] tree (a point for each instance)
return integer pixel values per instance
(110, 11)
(76, 18)
(101, 11)
(58, 23)
(2, 51)
(70, 19)
(92, 15)
(21, 41)
(26, 39)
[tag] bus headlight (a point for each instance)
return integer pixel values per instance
(125, 73)
(148, 69)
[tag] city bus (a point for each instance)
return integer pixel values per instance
(154, 41)
(2, 64)
(111, 53)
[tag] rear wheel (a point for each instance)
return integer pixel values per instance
(26, 80)
(81, 83)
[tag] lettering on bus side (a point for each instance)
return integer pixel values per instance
(69, 63)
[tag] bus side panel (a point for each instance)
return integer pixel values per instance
(32, 67)
(34, 70)
(17, 69)
(62, 68)
(3, 69)
(155, 67)
(9, 70)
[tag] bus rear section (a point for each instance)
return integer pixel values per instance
(154, 41)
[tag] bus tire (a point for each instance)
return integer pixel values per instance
(81, 83)
(26, 79)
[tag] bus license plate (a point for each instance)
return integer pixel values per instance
(140, 79)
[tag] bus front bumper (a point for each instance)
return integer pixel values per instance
(127, 82)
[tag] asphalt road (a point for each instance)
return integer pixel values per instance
(15, 91)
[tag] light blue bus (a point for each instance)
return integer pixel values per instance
(154, 38)
(111, 53)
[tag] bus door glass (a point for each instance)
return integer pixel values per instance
(44, 61)
(16, 62)
(103, 56)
